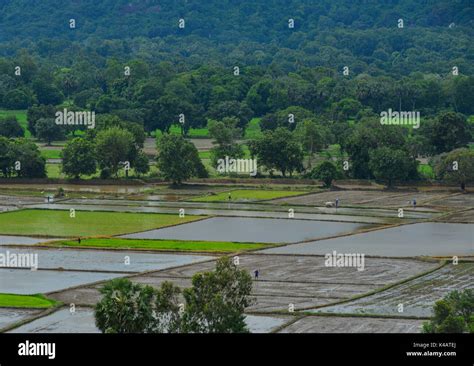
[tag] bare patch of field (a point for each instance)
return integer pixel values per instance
(9, 316)
(365, 198)
(324, 324)
(461, 217)
(417, 296)
(13, 200)
(458, 201)
(303, 281)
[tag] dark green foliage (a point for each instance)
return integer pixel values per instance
(79, 158)
(21, 158)
(453, 314)
(326, 171)
(114, 147)
(447, 132)
(214, 304)
(47, 130)
(389, 165)
(9, 127)
(178, 159)
(278, 150)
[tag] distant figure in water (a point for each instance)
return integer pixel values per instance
(414, 203)
(256, 274)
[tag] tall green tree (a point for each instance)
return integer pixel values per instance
(217, 300)
(37, 112)
(448, 131)
(326, 171)
(312, 136)
(7, 158)
(10, 127)
(279, 150)
(453, 314)
(456, 166)
(225, 134)
(214, 304)
(126, 307)
(31, 163)
(47, 130)
(178, 159)
(389, 165)
(114, 147)
(79, 158)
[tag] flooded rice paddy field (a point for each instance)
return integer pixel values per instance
(417, 296)
(25, 281)
(10, 316)
(7, 208)
(304, 281)
(334, 324)
(422, 239)
(369, 198)
(20, 240)
(294, 274)
(119, 189)
(104, 261)
(222, 212)
(82, 321)
(250, 230)
(252, 207)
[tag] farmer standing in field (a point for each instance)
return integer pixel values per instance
(337, 203)
(414, 203)
(256, 274)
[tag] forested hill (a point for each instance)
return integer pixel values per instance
(331, 33)
(256, 20)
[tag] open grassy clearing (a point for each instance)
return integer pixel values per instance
(205, 154)
(248, 195)
(54, 171)
(59, 223)
(192, 133)
(174, 245)
(25, 301)
(51, 153)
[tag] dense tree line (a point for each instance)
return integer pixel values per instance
(362, 35)
(21, 158)
(157, 95)
(217, 71)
